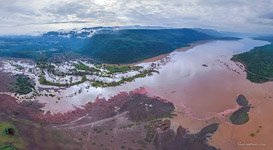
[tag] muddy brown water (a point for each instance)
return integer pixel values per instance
(203, 84)
(209, 93)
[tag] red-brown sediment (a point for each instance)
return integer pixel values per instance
(5, 81)
(100, 108)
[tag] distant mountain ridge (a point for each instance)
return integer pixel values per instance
(104, 44)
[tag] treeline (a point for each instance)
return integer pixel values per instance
(258, 63)
(22, 85)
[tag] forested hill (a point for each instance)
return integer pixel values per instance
(125, 46)
(131, 45)
(258, 62)
(103, 44)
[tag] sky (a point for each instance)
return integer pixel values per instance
(36, 16)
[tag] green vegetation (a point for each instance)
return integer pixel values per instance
(106, 46)
(121, 68)
(22, 85)
(43, 81)
(126, 46)
(143, 74)
(28, 134)
(9, 138)
(110, 69)
(258, 63)
(94, 70)
(122, 81)
(81, 66)
(38, 48)
(46, 66)
(242, 101)
(241, 115)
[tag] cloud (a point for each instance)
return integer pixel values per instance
(268, 15)
(233, 15)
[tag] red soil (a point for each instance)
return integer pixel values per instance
(5, 81)
(100, 109)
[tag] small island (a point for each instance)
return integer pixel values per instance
(241, 115)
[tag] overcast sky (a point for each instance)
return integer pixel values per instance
(32, 16)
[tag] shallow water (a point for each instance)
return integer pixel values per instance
(203, 83)
(184, 81)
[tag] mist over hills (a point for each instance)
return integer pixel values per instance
(105, 44)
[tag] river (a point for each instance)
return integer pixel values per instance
(203, 83)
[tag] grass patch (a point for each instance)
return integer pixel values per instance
(81, 66)
(9, 137)
(121, 68)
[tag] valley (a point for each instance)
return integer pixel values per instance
(87, 101)
(69, 98)
(136, 75)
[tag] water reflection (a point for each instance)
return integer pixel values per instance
(197, 78)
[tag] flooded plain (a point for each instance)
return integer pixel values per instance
(189, 78)
(203, 84)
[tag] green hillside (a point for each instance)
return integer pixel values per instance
(104, 45)
(258, 62)
(126, 46)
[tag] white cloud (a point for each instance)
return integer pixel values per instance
(26, 16)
